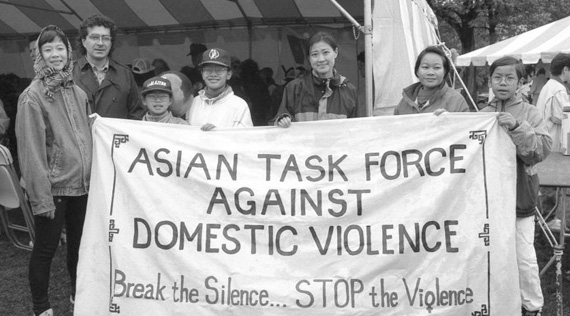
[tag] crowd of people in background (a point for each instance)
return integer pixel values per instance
(219, 90)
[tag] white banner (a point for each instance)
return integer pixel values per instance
(407, 215)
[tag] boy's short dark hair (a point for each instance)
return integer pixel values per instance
(97, 20)
(508, 61)
(558, 63)
(435, 50)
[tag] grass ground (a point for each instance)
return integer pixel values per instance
(15, 298)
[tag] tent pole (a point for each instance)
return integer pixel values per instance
(346, 14)
(249, 27)
(71, 9)
(250, 39)
(368, 75)
(367, 31)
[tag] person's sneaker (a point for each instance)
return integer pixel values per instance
(48, 312)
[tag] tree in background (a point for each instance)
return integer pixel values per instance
(471, 24)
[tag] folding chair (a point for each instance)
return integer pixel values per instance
(12, 199)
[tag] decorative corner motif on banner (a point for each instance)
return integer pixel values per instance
(114, 308)
(112, 230)
(485, 235)
(478, 135)
(119, 139)
(483, 312)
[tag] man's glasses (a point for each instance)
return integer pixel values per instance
(98, 37)
(218, 69)
(157, 97)
(498, 79)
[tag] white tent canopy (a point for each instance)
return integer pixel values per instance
(542, 43)
(272, 32)
(26, 17)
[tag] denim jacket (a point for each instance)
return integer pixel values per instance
(54, 144)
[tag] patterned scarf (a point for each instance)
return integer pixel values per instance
(53, 80)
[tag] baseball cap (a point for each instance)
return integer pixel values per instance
(157, 84)
(216, 56)
(197, 48)
(142, 66)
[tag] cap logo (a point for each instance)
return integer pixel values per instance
(214, 54)
(157, 82)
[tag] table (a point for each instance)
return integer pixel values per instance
(554, 172)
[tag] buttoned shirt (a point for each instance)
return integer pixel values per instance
(100, 73)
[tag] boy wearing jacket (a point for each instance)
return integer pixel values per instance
(217, 105)
(533, 144)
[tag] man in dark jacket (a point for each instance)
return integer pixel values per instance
(110, 86)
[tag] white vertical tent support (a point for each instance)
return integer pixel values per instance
(368, 76)
(367, 31)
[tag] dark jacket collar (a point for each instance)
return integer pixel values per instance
(336, 80)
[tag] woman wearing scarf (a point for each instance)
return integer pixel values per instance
(322, 94)
(54, 150)
(432, 92)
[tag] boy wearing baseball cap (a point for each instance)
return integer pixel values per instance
(216, 105)
(157, 97)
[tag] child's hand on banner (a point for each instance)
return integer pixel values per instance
(208, 127)
(508, 120)
(438, 112)
(284, 122)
